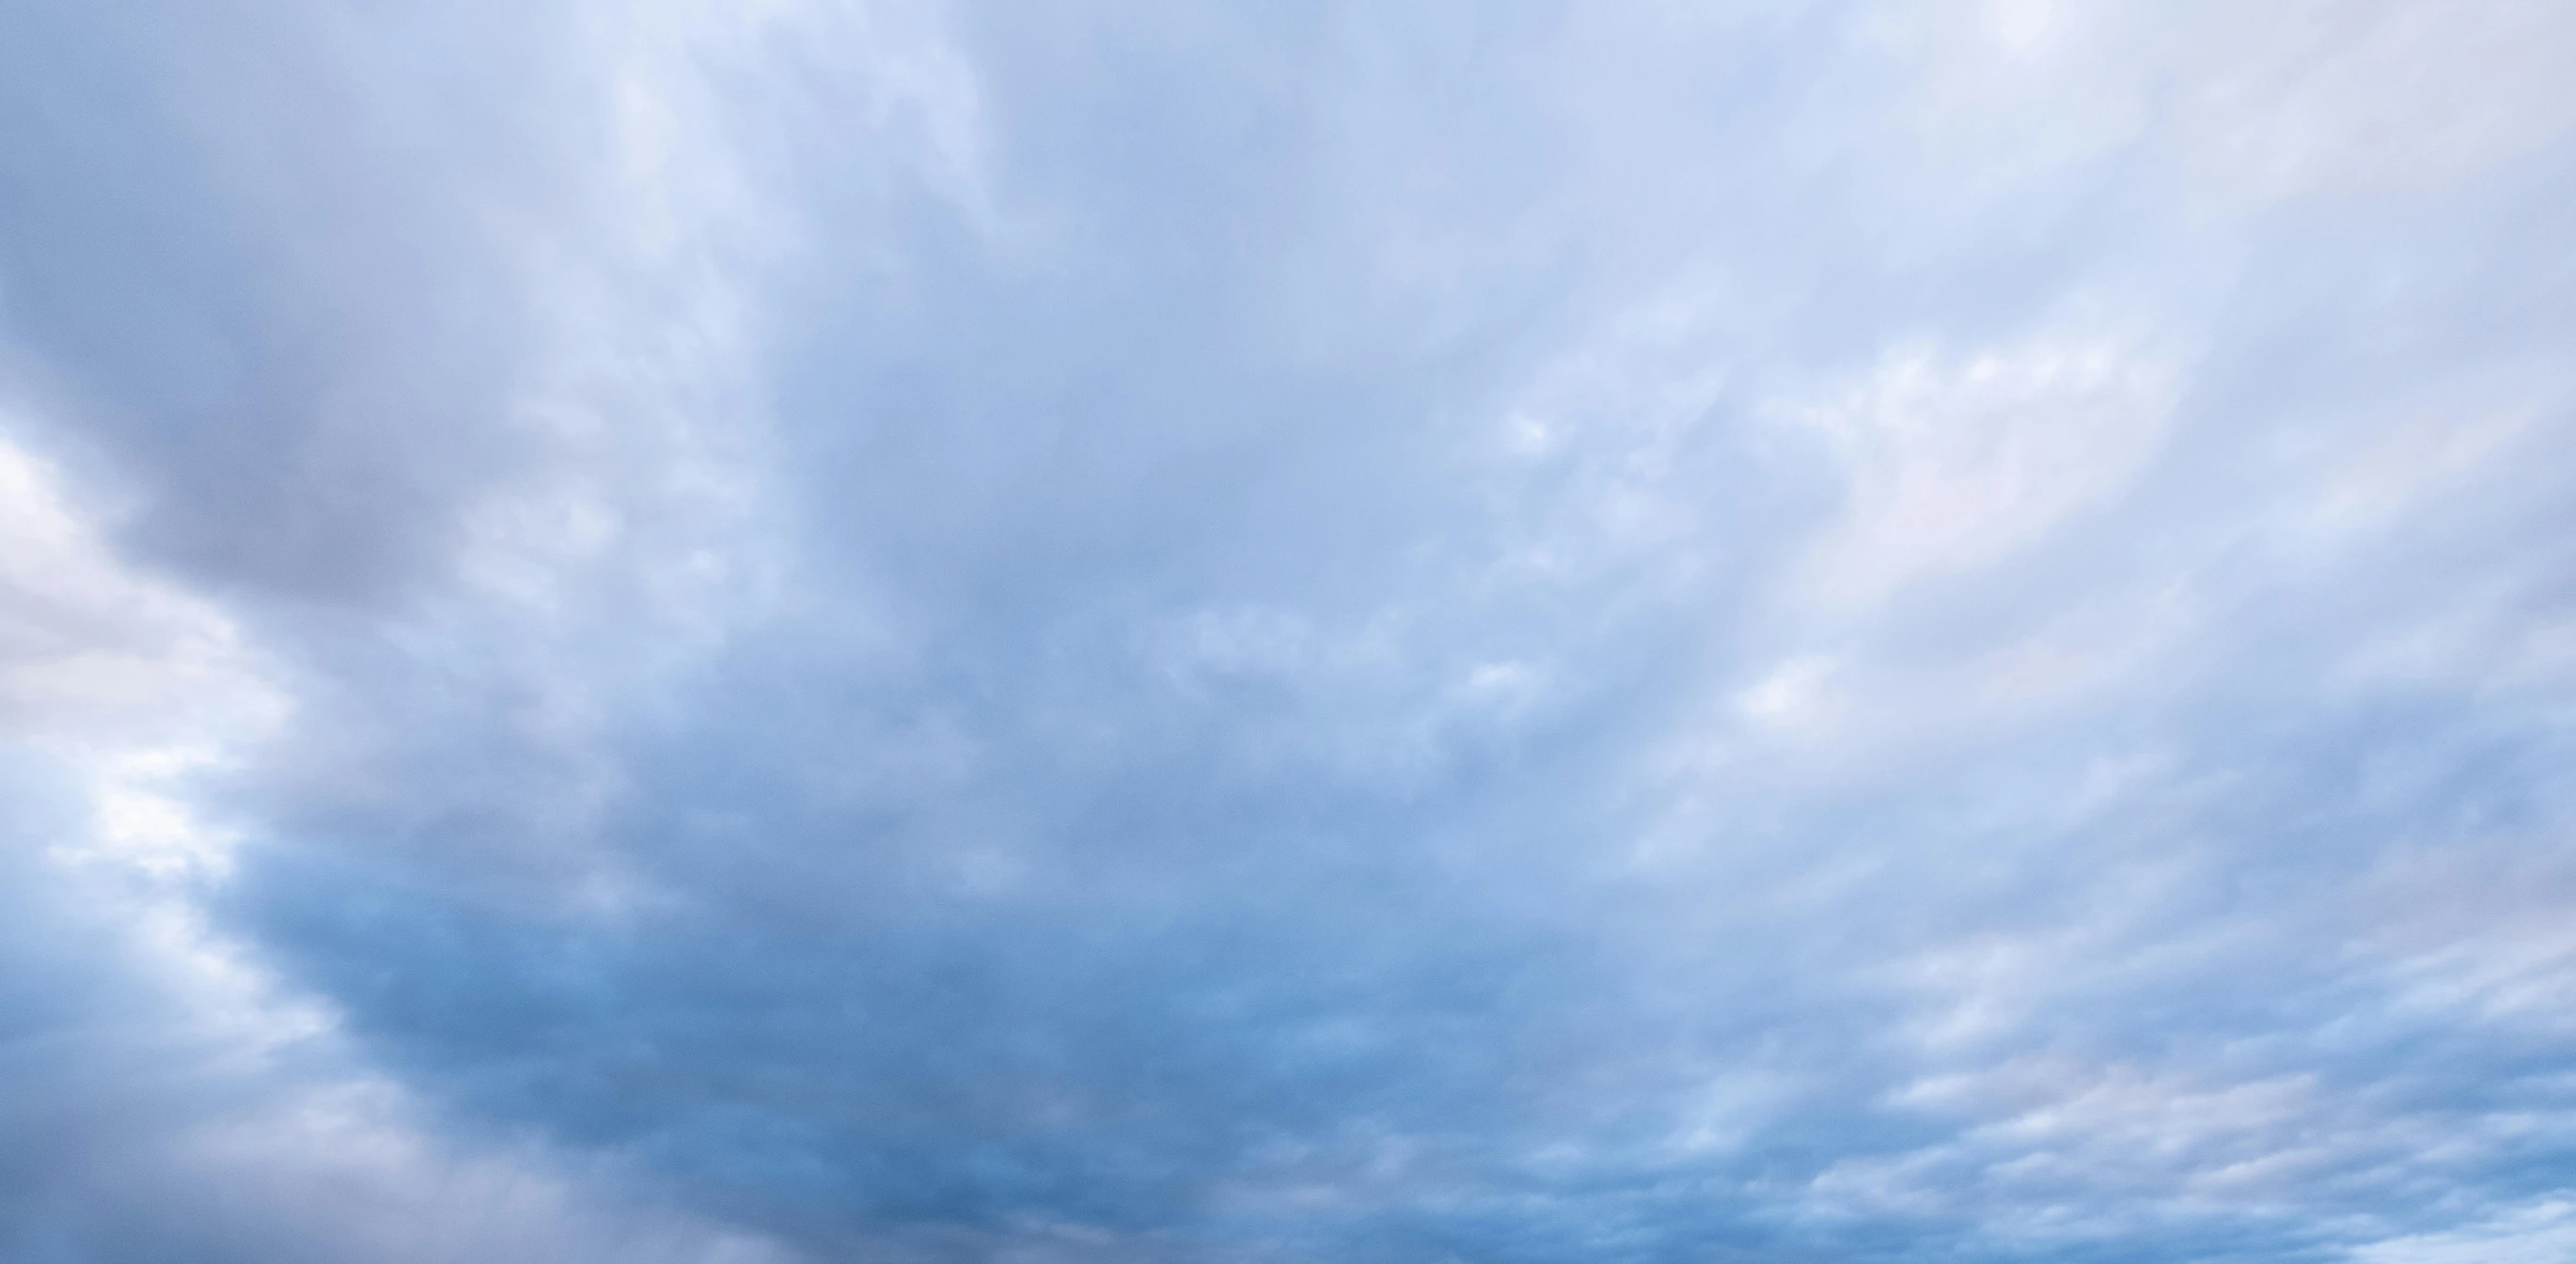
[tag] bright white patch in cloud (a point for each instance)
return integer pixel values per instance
(2543, 1232)
(1956, 462)
(1799, 698)
(95, 653)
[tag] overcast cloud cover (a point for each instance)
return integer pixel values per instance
(789, 632)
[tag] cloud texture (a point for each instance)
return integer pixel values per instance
(796, 632)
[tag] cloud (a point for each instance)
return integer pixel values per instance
(172, 1096)
(1879, 631)
(2537, 1232)
(1957, 466)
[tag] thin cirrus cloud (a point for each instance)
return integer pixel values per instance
(1911, 631)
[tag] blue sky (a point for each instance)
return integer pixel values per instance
(794, 632)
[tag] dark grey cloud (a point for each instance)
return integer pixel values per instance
(1910, 632)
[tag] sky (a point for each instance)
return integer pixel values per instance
(784, 632)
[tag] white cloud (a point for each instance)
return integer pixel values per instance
(93, 652)
(2541, 1232)
(2311, 97)
(1955, 462)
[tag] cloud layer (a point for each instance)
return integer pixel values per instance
(798, 632)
